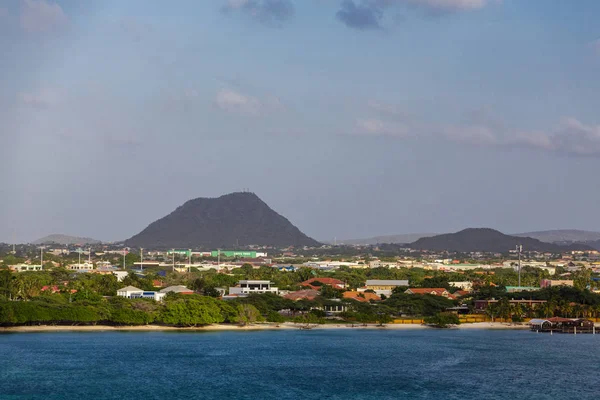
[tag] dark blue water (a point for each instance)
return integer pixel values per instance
(423, 364)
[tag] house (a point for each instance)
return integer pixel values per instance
(25, 268)
(316, 283)
(546, 283)
(177, 289)
(85, 267)
(363, 297)
(306, 294)
(461, 293)
(432, 291)
(131, 292)
(247, 287)
(384, 286)
(120, 275)
(513, 289)
(462, 285)
(562, 325)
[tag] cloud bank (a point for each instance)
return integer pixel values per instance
(569, 136)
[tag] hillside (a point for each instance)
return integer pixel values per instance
(487, 240)
(236, 219)
(562, 235)
(396, 239)
(65, 240)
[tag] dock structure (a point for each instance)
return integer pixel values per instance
(563, 325)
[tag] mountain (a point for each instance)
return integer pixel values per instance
(65, 240)
(487, 240)
(236, 219)
(562, 235)
(595, 244)
(395, 239)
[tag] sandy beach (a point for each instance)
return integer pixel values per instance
(253, 327)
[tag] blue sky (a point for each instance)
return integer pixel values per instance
(351, 118)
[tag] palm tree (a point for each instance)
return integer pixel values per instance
(491, 310)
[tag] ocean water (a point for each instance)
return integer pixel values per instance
(315, 364)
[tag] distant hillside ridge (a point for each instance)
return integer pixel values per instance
(562, 235)
(488, 240)
(65, 240)
(393, 239)
(236, 219)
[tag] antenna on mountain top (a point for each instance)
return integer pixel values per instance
(519, 250)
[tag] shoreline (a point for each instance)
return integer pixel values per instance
(253, 327)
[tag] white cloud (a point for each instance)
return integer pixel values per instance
(238, 103)
(388, 110)
(470, 134)
(42, 98)
(570, 136)
(373, 126)
(41, 16)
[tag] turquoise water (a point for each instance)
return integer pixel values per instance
(316, 364)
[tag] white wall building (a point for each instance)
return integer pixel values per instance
(132, 292)
(81, 267)
(248, 287)
(25, 267)
(120, 275)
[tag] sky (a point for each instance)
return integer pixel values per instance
(352, 118)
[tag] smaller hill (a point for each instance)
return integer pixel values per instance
(65, 240)
(487, 240)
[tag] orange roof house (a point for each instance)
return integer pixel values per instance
(306, 294)
(363, 297)
(432, 291)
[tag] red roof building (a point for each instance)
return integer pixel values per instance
(306, 294)
(363, 297)
(432, 291)
(334, 283)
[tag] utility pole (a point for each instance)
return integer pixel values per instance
(519, 250)
(173, 260)
(190, 261)
(124, 254)
(141, 259)
(42, 256)
(89, 255)
(79, 252)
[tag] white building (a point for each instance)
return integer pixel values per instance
(247, 287)
(25, 267)
(132, 292)
(464, 285)
(85, 267)
(120, 275)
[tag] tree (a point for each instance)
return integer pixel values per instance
(191, 311)
(442, 320)
(247, 314)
